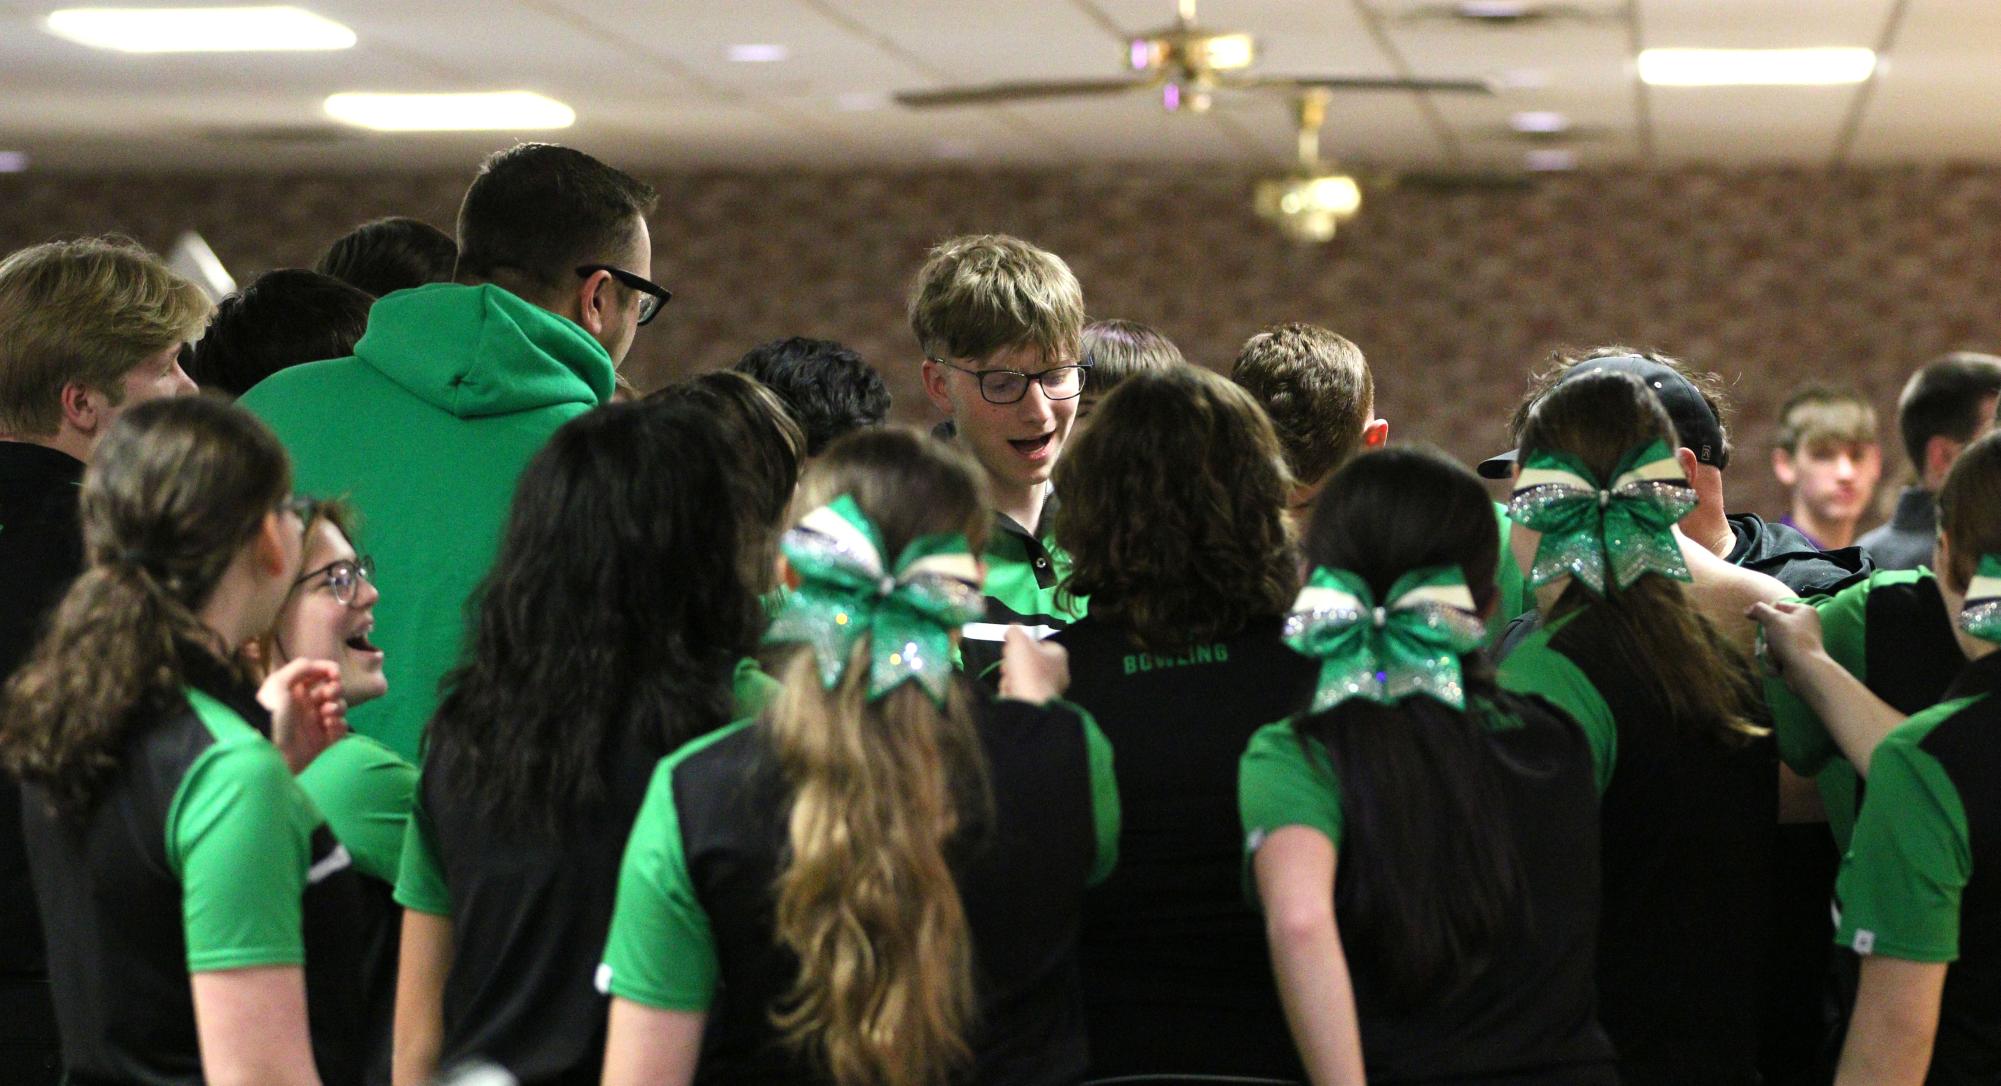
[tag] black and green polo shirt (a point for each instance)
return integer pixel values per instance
(693, 928)
(365, 791)
(1892, 633)
(1023, 571)
(204, 856)
(1528, 1014)
(1922, 879)
(1687, 825)
(1177, 978)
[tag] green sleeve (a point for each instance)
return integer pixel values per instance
(1105, 812)
(1536, 668)
(420, 877)
(1900, 884)
(661, 951)
(239, 838)
(1508, 587)
(1277, 786)
(752, 689)
(1803, 741)
(365, 791)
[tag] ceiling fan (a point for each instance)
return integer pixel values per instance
(1308, 203)
(1186, 64)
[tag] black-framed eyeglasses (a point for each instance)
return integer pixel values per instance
(651, 294)
(1009, 386)
(344, 577)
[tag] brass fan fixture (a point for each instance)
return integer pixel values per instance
(1311, 201)
(1186, 64)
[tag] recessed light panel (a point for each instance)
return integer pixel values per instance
(1756, 67)
(199, 30)
(1539, 122)
(759, 53)
(511, 111)
(13, 161)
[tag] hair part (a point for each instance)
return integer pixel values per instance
(982, 293)
(283, 318)
(828, 388)
(388, 255)
(615, 611)
(87, 312)
(178, 488)
(1700, 676)
(1944, 399)
(880, 791)
(1118, 349)
(537, 211)
(1316, 387)
(1173, 512)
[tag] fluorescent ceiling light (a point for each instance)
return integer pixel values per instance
(1756, 67)
(502, 110)
(1539, 122)
(13, 161)
(758, 53)
(199, 30)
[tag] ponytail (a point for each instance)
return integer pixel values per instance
(866, 900)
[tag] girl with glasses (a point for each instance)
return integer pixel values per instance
(877, 880)
(198, 907)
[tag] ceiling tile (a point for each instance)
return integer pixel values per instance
(1938, 91)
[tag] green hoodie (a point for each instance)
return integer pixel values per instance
(425, 431)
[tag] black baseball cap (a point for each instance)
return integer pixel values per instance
(1696, 427)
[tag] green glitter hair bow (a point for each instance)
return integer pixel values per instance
(1981, 616)
(845, 590)
(1408, 644)
(1587, 526)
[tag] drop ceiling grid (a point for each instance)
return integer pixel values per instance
(1936, 93)
(1754, 124)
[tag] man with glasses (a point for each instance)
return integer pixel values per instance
(999, 322)
(455, 385)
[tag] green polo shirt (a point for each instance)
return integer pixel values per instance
(1024, 569)
(1536, 667)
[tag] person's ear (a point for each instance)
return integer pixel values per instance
(787, 576)
(1376, 434)
(934, 386)
(80, 407)
(1685, 458)
(1782, 467)
(595, 309)
(268, 546)
(1940, 452)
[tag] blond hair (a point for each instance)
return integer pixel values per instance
(1817, 413)
(866, 900)
(84, 311)
(1317, 389)
(981, 293)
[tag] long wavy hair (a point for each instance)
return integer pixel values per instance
(1430, 875)
(879, 790)
(1659, 636)
(172, 494)
(615, 610)
(1173, 511)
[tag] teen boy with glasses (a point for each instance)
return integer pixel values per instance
(999, 322)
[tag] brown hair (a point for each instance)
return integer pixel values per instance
(1173, 511)
(176, 490)
(1944, 399)
(1701, 677)
(84, 311)
(1116, 350)
(1969, 509)
(262, 652)
(767, 449)
(981, 293)
(866, 900)
(1818, 413)
(1317, 389)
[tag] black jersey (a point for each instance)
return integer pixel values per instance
(1526, 1015)
(1687, 829)
(1177, 976)
(529, 914)
(694, 929)
(204, 855)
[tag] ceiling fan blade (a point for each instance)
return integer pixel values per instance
(1356, 83)
(1021, 92)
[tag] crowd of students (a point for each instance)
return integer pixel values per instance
(729, 734)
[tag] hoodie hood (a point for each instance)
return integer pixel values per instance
(478, 351)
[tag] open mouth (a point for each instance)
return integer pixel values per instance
(1035, 446)
(360, 643)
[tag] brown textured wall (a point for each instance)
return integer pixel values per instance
(1770, 277)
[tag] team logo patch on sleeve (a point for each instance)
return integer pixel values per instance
(1864, 941)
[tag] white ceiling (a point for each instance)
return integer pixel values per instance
(653, 86)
